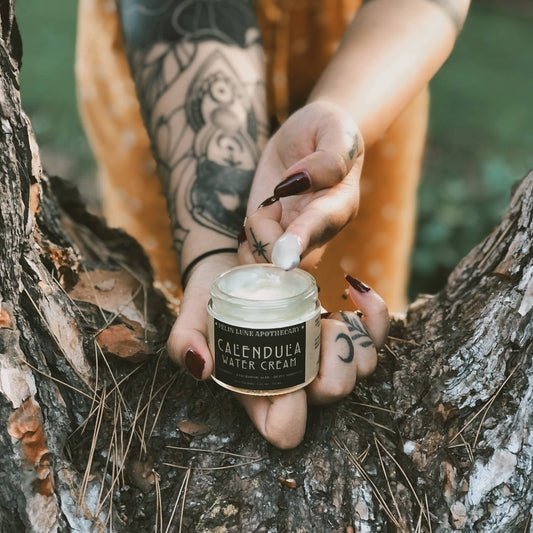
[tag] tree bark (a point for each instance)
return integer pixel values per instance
(101, 433)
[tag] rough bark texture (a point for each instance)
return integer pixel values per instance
(99, 432)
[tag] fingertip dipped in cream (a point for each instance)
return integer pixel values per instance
(286, 251)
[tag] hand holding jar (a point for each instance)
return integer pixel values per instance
(348, 344)
(271, 379)
(311, 182)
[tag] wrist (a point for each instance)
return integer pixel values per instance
(200, 244)
(335, 99)
(224, 257)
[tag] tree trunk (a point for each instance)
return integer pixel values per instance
(100, 432)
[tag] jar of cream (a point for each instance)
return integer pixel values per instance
(264, 329)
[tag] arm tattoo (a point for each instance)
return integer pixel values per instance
(357, 335)
(206, 123)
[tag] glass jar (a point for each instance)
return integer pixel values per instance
(264, 329)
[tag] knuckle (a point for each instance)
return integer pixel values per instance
(341, 165)
(334, 165)
(329, 229)
(338, 390)
(381, 310)
(366, 365)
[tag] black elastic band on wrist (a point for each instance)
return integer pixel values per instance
(201, 257)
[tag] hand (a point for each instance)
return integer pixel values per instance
(306, 187)
(187, 342)
(347, 352)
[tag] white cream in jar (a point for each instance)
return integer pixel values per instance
(264, 329)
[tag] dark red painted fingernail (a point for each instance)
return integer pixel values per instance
(295, 184)
(325, 315)
(194, 363)
(242, 236)
(359, 286)
(269, 201)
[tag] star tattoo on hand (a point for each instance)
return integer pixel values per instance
(259, 248)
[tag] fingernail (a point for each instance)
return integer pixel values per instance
(269, 201)
(359, 286)
(194, 363)
(295, 184)
(325, 315)
(286, 251)
(242, 236)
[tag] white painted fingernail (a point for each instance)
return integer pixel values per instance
(286, 251)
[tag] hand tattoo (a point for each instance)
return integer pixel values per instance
(351, 352)
(357, 335)
(355, 147)
(259, 248)
(356, 329)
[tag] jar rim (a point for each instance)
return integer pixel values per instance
(310, 291)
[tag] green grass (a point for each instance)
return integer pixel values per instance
(47, 76)
(486, 86)
(480, 138)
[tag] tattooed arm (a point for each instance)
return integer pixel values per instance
(198, 68)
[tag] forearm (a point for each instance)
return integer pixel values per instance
(388, 54)
(201, 90)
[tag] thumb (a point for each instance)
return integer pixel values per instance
(334, 165)
(317, 222)
(187, 343)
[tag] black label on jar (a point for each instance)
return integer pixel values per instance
(259, 359)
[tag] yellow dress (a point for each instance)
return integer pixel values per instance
(299, 39)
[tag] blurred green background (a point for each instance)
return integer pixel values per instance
(480, 138)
